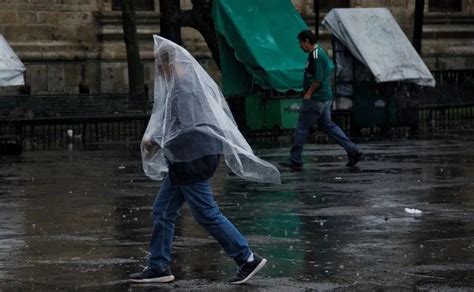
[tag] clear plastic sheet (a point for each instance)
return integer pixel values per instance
(191, 119)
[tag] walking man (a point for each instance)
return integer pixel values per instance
(317, 101)
(190, 128)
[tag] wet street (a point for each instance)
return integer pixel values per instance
(81, 219)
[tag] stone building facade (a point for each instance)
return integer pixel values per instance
(73, 46)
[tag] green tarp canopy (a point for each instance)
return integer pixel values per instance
(258, 45)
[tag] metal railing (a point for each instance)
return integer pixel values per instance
(445, 116)
(57, 133)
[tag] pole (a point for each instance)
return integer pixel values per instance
(316, 18)
(169, 23)
(418, 26)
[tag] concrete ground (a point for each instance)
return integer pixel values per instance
(81, 219)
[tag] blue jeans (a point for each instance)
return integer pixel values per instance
(313, 111)
(204, 209)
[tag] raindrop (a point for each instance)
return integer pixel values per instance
(421, 245)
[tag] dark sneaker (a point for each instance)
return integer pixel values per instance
(353, 158)
(150, 275)
(248, 270)
(291, 165)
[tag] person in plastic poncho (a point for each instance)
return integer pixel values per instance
(190, 128)
(317, 101)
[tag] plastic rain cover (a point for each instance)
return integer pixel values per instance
(373, 36)
(191, 119)
(11, 68)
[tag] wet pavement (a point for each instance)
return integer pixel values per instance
(81, 220)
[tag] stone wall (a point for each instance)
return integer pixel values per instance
(72, 44)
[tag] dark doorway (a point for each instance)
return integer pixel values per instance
(445, 5)
(326, 5)
(140, 5)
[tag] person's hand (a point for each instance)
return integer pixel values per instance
(151, 146)
(307, 96)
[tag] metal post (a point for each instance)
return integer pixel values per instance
(316, 18)
(169, 25)
(418, 25)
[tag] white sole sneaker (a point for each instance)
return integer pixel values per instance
(258, 268)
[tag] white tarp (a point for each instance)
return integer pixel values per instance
(373, 36)
(11, 68)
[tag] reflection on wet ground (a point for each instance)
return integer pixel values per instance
(81, 220)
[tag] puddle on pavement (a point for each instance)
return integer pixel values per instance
(82, 219)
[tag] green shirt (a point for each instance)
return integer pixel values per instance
(319, 68)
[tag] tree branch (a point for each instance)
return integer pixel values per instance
(200, 18)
